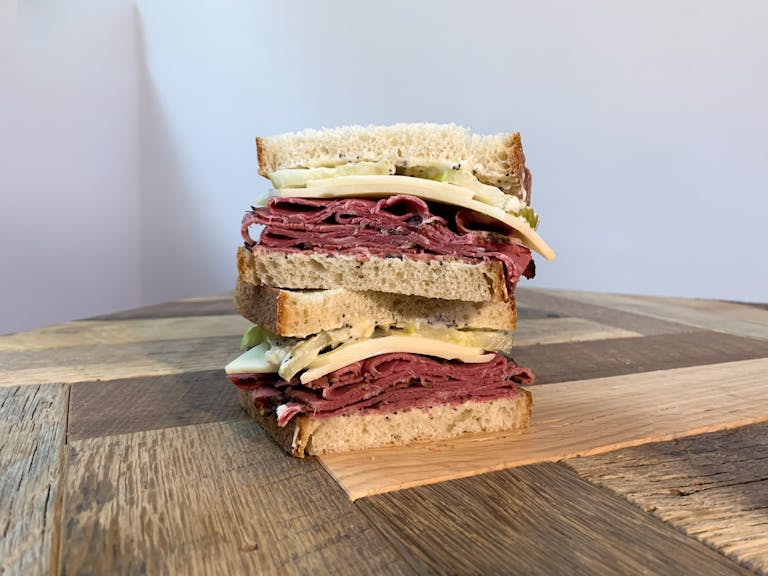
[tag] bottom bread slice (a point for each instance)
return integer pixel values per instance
(309, 435)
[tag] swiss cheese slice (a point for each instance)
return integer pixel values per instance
(253, 361)
(442, 192)
(362, 349)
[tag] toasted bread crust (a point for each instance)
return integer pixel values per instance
(261, 156)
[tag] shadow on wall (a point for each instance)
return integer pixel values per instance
(171, 251)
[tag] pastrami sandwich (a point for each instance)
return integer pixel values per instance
(379, 275)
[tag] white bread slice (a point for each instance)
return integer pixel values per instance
(452, 279)
(309, 435)
(302, 313)
(496, 159)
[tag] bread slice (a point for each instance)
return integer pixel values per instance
(300, 313)
(497, 159)
(451, 278)
(309, 435)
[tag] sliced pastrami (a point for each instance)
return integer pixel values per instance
(387, 383)
(391, 227)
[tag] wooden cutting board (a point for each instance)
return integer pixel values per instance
(571, 419)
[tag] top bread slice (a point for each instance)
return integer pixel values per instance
(497, 160)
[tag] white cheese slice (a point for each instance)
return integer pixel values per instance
(362, 349)
(442, 192)
(254, 361)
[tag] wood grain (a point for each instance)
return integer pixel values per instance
(210, 499)
(150, 403)
(713, 487)
(88, 363)
(739, 319)
(92, 333)
(560, 362)
(32, 425)
(554, 303)
(555, 330)
(572, 419)
(86, 351)
(539, 519)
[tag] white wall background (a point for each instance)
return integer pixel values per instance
(644, 124)
(69, 170)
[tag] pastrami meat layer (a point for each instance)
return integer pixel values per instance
(385, 384)
(398, 226)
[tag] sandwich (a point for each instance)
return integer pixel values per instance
(379, 275)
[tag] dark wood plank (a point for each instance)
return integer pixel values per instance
(530, 313)
(614, 357)
(32, 428)
(537, 300)
(713, 487)
(540, 519)
(211, 499)
(761, 305)
(150, 403)
(179, 308)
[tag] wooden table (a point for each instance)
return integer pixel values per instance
(124, 451)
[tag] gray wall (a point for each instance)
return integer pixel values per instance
(644, 124)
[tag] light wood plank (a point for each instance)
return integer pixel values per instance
(32, 428)
(554, 330)
(550, 301)
(82, 364)
(739, 319)
(102, 332)
(540, 519)
(210, 499)
(575, 419)
(713, 487)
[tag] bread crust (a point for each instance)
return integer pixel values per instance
(261, 156)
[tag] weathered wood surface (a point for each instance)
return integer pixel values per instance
(539, 519)
(210, 499)
(150, 403)
(713, 487)
(32, 430)
(571, 419)
(163, 474)
(739, 319)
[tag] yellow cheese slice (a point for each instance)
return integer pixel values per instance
(360, 350)
(442, 192)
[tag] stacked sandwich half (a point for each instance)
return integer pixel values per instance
(380, 276)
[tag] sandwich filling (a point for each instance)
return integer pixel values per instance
(396, 226)
(371, 369)
(439, 182)
(385, 384)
